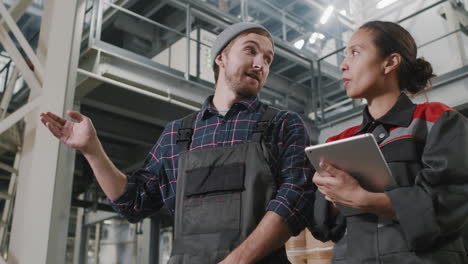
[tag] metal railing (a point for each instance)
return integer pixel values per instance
(326, 102)
(192, 47)
(431, 50)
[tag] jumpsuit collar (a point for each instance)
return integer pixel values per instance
(401, 114)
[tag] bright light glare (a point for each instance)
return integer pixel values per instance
(313, 38)
(343, 12)
(326, 15)
(385, 3)
(299, 44)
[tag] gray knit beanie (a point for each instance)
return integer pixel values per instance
(229, 33)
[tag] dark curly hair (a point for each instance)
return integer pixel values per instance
(414, 74)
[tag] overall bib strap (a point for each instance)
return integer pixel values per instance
(185, 132)
(262, 128)
(221, 196)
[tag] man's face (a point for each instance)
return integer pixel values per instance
(245, 66)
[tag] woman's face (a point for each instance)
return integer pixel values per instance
(363, 67)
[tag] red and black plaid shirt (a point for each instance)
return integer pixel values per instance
(154, 185)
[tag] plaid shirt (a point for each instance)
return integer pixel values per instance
(154, 185)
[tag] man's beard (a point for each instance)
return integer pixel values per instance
(245, 93)
(241, 90)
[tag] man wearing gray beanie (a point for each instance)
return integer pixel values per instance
(234, 175)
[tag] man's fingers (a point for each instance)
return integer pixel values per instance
(77, 116)
(43, 120)
(56, 118)
(49, 119)
(53, 126)
(55, 130)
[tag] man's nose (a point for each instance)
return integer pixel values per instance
(257, 63)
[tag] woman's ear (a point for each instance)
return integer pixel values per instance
(392, 62)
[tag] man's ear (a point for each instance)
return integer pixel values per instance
(219, 60)
(392, 62)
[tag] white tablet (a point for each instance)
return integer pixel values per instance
(360, 156)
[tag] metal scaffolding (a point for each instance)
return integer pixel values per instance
(77, 57)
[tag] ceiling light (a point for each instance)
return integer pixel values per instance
(385, 3)
(313, 38)
(311, 115)
(343, 12)
(326, 15)
(299, 44)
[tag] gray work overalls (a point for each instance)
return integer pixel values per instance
(221, 195)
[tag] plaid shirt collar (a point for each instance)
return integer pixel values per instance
(251, 104)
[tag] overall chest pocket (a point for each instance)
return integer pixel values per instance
(404, 158)
(212, 200)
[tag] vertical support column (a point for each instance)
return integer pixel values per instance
(97, 242)
(80, 255)
(244, 10)
(188, 30)
(100, 12)
(143, 242)
(284, 26)
(92, 28)
(313, 94)
(40, 220)
(198, 52)
(320, 94)
(147, 242)
(154, 240)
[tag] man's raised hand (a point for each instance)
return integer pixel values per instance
(79, 135)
